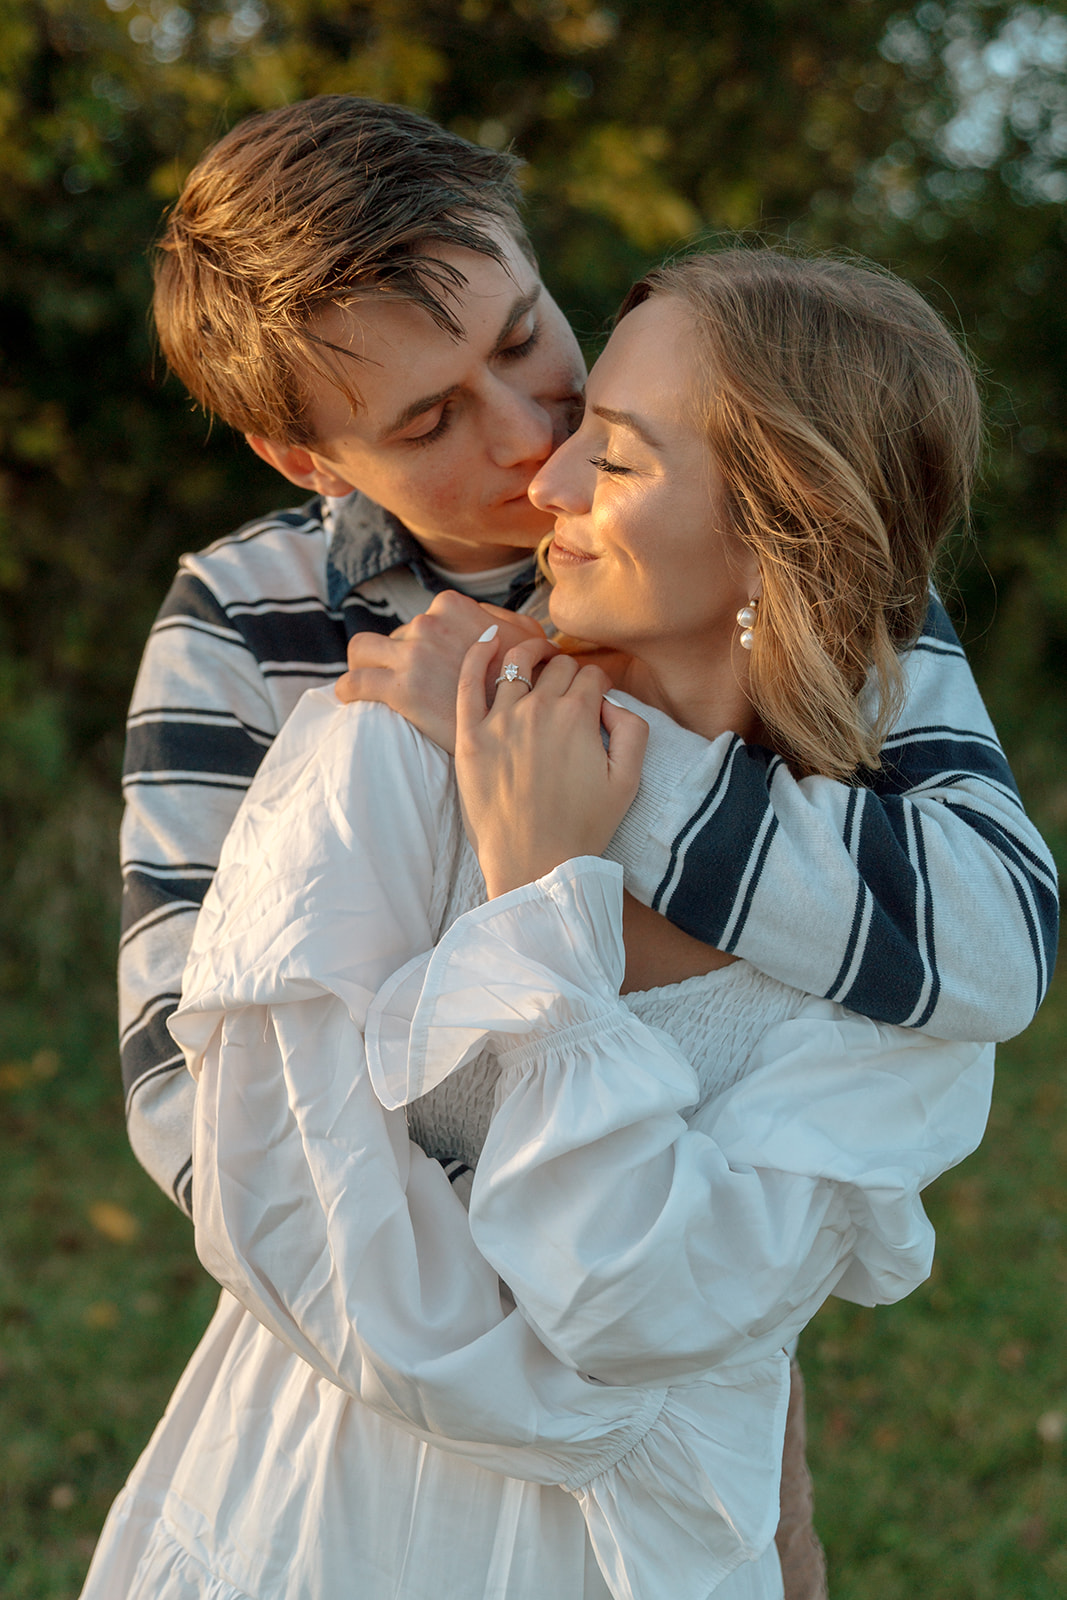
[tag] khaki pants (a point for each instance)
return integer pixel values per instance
(799, 1550)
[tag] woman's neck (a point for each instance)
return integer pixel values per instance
(697, 692)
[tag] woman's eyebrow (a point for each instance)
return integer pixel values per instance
(626, 419)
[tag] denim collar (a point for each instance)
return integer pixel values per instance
(368, 540)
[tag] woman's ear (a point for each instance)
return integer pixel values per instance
(302, 467)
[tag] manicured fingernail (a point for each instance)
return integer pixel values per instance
(490, 633)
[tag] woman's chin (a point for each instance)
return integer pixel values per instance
(573, 621)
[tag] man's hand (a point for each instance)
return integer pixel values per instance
(415, 669)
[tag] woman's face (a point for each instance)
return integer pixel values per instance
(641, 556)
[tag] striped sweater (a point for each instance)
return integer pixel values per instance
(924, 896)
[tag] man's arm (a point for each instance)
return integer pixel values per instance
(927, 899)
(200, 722)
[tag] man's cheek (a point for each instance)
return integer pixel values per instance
(446, 494)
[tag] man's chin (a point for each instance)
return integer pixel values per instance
(519, 523)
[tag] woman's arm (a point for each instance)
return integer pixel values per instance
(648, 1237)
(340, 1237)
(312, 1206)
(641, 1247)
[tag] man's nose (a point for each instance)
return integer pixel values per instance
(521, 428)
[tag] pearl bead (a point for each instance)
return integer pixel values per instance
(747, 616)
(746, 639)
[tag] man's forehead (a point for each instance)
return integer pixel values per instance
(391, 356)
(483, 287)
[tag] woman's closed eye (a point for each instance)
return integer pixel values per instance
(602, 464)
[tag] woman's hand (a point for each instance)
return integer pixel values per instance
(536, 783)
(415, 668)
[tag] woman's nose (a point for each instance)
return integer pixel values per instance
(563, 484)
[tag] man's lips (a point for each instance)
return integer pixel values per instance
(519, 498)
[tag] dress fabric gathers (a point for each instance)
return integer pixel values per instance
(577, 1388)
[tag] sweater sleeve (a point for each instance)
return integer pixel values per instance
(925, 897)
(647, 1236)
(200, 722)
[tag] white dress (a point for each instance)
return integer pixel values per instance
(578, 1390)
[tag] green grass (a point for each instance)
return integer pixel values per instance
(101, 1302)
(936, 1426)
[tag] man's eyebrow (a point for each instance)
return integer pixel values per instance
(416, 409)
(626, 419)
(521, 308)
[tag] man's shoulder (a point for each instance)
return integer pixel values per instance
(280, 556)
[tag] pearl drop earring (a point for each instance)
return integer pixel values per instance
(747, 620)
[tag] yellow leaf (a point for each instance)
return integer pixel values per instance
(102, 1314)
(113, 1221)
(45, 1064)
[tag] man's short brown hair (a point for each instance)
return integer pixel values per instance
(316, 204)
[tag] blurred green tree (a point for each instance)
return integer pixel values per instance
(933, 139)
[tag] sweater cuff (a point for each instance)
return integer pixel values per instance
(666, 798)
(546, 956)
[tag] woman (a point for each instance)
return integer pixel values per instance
(579, 1389)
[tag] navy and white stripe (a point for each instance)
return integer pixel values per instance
(926, 880)
(248, 625)
(924, 896)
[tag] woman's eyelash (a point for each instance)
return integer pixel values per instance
(602, 464)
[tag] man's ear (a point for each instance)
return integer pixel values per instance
(302, 467)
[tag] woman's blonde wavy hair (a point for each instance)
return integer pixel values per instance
(845, 423)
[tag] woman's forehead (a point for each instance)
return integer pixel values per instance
(648, 369)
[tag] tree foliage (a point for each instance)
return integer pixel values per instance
(932, 139)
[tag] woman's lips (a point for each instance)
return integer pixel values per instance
(561, 555)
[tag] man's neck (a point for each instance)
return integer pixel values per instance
(490, 584)
(456, 556)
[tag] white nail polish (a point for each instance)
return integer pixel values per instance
(490, 633)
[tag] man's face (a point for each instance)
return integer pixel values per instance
(450, 433)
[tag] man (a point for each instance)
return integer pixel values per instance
(351, 288)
